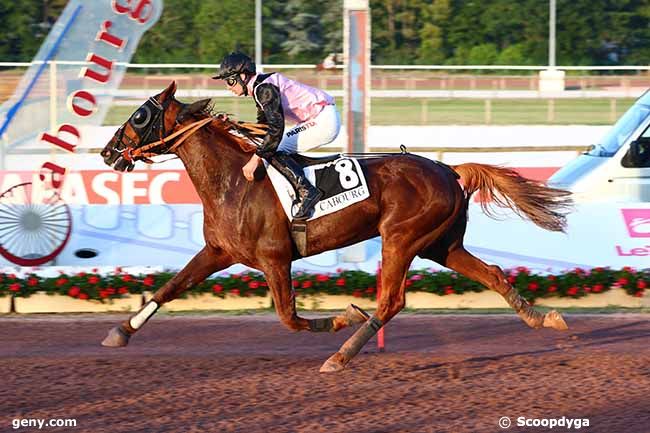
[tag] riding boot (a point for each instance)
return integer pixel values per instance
(307, 195)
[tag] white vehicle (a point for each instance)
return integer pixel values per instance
(618, 168)
(610, 225)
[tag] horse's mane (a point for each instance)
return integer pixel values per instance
(247, 135)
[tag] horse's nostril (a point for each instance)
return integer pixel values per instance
(121, 164)
(109, 155)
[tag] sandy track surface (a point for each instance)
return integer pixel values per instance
(249, 374)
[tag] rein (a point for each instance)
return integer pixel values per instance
(141, 152)
(131, 153)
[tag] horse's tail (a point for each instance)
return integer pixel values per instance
(547, 207)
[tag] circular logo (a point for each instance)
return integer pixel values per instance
(504, 422)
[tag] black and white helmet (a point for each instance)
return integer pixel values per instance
(235, 63)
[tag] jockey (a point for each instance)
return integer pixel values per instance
(279, 99)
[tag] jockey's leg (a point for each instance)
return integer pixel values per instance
(279, 281)
(306, 193)
(321, 130)
(208, 261)
(393, 275)
(312, 134)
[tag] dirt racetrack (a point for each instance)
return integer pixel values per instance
(440, 373)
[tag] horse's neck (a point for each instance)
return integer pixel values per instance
(214, 168)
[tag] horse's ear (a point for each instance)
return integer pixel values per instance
(168, 92)
(190, 109)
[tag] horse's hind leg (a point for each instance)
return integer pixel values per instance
(460, 260)
(279, 281)
(205, 263)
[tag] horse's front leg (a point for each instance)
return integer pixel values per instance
(284, 299)
(208, 261)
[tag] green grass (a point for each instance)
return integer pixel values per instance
(412, 111)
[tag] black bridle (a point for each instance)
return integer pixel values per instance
(148, 122)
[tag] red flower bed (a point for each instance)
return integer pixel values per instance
(574, 283)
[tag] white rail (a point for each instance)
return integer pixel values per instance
(136, 95)
(378, 67)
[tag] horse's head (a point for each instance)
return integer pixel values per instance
(147, 128)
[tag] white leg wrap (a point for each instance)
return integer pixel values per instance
(143, 315)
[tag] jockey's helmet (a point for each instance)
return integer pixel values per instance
(235, 63)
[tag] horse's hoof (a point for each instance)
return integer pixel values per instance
(333, 365)
(554, 320)
(355, 315)
(116, 338)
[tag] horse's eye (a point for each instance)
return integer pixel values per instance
(141, 117)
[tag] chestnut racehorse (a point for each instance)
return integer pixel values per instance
(418, 207)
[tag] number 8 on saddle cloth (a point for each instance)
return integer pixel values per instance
(341, 180)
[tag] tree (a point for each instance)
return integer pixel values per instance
(224, 26)
(333, 26)
(22, 29)
(170, 40)
(535, 32)
(305, 34)
(432, 49)
(465, 26)
(383, 30)
(502, 22)
(274, 31)
(589, 32)
(625, 37)
(579, 23)
(512, 55)
(484, 54)
(396, 27)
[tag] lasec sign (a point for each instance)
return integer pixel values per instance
(74, 76)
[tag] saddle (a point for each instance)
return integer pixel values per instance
(339, 177)
(306, 161)
(341, 180)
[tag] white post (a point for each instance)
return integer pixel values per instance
(551, 80)
(3, 147)
(258, 35)
(53, 111)
(53, 108)
(551, 35)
